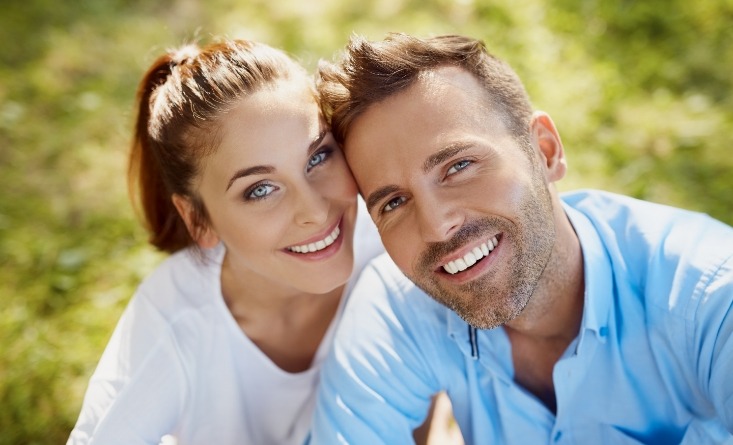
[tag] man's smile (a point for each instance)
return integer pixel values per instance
(472, 257)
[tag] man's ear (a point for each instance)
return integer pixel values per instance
(545, 137)
(204, 236)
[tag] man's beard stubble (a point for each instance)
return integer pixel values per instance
(485, 302)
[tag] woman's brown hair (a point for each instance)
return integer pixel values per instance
(180, 99)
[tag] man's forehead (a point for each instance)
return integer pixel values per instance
(448, 96)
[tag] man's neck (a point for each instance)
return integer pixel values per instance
(555, 310)
(551, 320)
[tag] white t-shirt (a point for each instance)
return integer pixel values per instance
(179, 370)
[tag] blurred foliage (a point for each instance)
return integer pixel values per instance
(640, 92)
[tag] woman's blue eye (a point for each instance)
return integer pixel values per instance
(460, 165)
(261, 191)
(317, 159)
(394, 203)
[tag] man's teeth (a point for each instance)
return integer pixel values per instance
(471, 257)
(318, 245)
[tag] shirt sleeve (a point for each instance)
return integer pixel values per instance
(137, 390)
(376, 384)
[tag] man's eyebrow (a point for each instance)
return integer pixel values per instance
(379, 194)
(437, 158)
(265, 169)
(430, 163)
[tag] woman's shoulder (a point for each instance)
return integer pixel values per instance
(188, 279)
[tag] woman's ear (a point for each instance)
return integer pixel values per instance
(204, 236)
(546, 138)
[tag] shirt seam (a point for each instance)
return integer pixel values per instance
(708, 278)
(184, 398)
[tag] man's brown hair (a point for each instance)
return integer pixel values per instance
(372, 71)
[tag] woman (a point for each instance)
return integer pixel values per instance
(241, 182)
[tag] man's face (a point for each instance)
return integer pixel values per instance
(462, 209)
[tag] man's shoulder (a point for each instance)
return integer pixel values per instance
(609, 205)
(382, 285)
(667, 252)
(386, 271)
(655, 223)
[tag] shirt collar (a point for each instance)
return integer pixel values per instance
(461, 332)
(598, 274)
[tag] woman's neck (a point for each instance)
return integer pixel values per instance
(286, 324)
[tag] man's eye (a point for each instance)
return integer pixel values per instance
(394, 203)
(261, 191)
(460, 165)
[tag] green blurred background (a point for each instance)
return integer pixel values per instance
(640, 91)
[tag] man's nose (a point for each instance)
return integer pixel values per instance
(438, 217)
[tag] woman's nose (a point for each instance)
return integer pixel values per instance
(311, 206)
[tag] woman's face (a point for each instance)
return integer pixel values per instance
(279, 194)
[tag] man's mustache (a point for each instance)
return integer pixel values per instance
(467, 232)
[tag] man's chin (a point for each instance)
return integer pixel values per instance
(478, 306)
(485, 318)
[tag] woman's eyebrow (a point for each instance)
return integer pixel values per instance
(317, 141)
(256, 170)
(265, 169)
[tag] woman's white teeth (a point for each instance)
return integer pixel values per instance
(318, 245)
(471, 258)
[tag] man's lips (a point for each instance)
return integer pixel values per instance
(470, 258)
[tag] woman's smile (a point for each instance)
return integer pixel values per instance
(319, 247)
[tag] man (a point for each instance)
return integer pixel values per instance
(590, 318)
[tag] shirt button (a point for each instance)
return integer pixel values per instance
(603, 331)
(558, 435)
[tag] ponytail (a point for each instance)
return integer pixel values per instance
(148, 190)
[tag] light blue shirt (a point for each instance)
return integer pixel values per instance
(652, 363)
